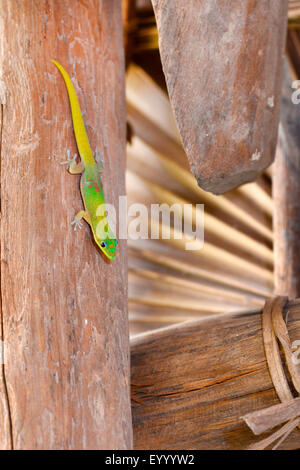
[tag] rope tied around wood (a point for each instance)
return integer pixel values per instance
(275, 332)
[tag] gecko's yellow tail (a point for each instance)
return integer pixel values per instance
(82, 140)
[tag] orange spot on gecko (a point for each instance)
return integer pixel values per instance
(95, 184)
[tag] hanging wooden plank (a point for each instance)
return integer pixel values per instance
(192, 383)
(286, 192)
(222, 62)
(64, 307)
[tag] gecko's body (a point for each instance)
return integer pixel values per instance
(90, 183)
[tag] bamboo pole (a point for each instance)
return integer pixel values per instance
(64, 307)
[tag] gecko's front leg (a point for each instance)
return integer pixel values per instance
(73, 167)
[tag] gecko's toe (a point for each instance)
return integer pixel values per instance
(77, 224)
(99, 160)
(69, 160)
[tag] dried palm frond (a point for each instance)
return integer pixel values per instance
(234, 269)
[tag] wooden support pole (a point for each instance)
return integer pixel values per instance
(286, 193)
(64, 384)
(222, 62)
(192, 383)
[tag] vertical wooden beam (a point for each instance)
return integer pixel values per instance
(286, 193)
(64, 307)
(222, 62)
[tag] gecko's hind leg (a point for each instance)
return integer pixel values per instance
(73, 167)
(77, 222)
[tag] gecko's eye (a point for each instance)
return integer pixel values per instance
(103, 244)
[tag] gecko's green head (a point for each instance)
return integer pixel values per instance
(109, 246)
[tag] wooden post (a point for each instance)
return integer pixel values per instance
(64, 383)
(286, 193)
(222, 62)
(192, 383)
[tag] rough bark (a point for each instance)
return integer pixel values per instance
(64, 307)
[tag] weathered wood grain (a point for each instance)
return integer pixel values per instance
(286, 193)
(194, 381)
(64, 308)
(222, 62)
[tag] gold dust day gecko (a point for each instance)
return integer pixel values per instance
(90, 184)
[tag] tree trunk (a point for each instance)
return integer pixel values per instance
(64, 307)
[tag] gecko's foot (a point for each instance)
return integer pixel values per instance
(70, 161)
(77, 224)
